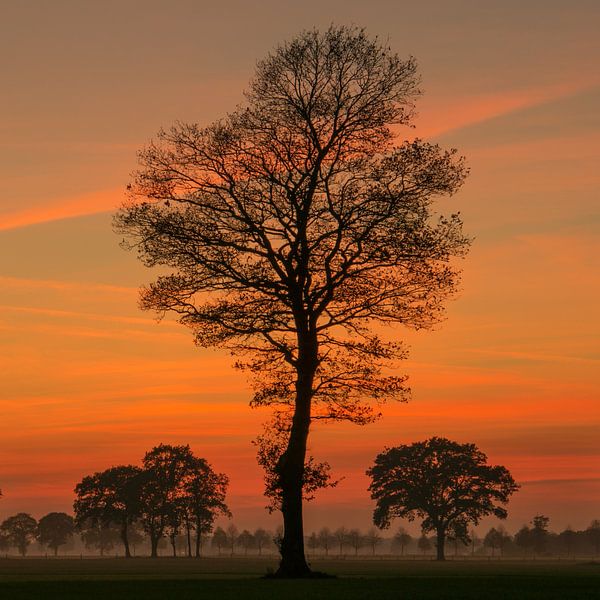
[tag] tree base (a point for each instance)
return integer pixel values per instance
(306, 574)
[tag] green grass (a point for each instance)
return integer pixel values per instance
(224, 579)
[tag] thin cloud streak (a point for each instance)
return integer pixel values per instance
(469, 111)
(66, 208)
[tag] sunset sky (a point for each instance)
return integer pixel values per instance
(88, 381)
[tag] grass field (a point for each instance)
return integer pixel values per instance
(224, 579)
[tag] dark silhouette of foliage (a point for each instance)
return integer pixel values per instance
(55, 529)
(179, 491)
(110, 498)
(20, 530)
(270, 447)
(496, 539)
(445, 483)
(294, 224)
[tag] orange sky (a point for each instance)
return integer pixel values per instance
(89, 381)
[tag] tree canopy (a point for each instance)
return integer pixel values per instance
(55, 529)
(292, 225)
(174, 490)
(444, 483)
(19, 530)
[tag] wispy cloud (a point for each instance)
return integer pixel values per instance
(64, 208)
(54, 284)
(439, 116)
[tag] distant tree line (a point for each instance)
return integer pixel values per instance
(57, 530)
(534, 540)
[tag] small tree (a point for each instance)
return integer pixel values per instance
(219, 539)
(293, 225)
(424, 544)
(326, 538)
(593, 535)
(262, 538)
(110, 498)
(356, 540)
(524, 539)
(135, 537)
(492, 539)
(373, 539)
(341, 537)
(539, 534)
(232, 534)
(313, 542)
(475, 540)
(246, 541)
(55, 529)
(401, 539)
(99, 536)
(445, 483)
(567, 540)
(20, 530)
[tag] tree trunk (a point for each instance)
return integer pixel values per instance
(198, 537)
(125, 539)
(173, 545)
(189, 538)
(291, 467)
(441, 540)
(55, 550)
(153, 546)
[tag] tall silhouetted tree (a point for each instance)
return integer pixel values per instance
(108, 498)
(294, 224)
(55, 529)
(20, 530)
(445, 483)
